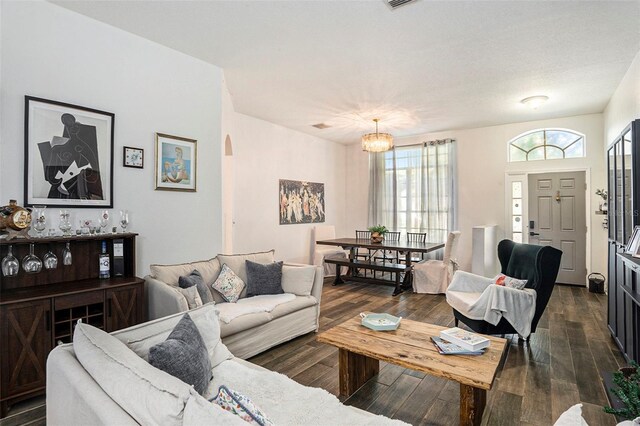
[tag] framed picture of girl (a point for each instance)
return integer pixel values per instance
(176, 160)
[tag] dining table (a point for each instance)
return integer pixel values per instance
(404, 248)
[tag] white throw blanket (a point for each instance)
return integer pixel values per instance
(286, 402)
(252, 305)
(477, 298)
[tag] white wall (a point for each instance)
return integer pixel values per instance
(624, 105)
(53, 53)
(264, 153)
(482, 164)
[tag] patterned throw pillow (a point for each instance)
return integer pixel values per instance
(195, 279)
(506, 281)
(228, 284)
(241, 406)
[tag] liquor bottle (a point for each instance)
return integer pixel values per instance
(104, 262)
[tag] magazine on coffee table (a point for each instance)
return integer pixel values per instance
(446, 348)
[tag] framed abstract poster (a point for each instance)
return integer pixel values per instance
(176, 160)
(301, 202)
(68, 155)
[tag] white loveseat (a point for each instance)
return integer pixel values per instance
(105, 379)
(253, 332)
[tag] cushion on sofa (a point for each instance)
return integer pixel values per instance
(298, 279)
(170, 274)
(184, 355)
(263, 278)
(243, 323)
(147, 394)
(142, 337)
(300, 302)
(228, 284)
(237, 261)
(195, 279)
(192, 297)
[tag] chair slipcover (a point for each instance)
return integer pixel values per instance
(539, 265)
(434, 276)
(325, 232)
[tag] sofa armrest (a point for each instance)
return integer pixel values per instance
(162, 299)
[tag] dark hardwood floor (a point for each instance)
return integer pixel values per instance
(538, 381)
(559, 367)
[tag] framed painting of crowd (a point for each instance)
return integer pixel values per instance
(301, 202)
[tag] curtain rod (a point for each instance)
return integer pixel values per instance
(433, 142)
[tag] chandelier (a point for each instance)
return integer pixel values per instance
(377, 142)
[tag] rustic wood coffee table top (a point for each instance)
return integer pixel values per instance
(410, 346)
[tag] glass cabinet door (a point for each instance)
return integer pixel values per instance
(619, 197)
(611, 191)
(628, 186)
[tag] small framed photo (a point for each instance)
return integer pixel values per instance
(176, 161)
(633, 246)
(133, 157)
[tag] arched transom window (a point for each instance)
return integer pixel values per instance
(546, 144)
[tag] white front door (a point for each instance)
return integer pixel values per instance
(557, 219)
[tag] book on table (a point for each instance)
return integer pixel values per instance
(465, 339)
(446, 348)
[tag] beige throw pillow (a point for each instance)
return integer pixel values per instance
(170, 274)
(193, 297)
(298, 280)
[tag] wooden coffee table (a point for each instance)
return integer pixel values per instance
(410, 346)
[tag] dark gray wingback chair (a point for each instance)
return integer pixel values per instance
(539, 265)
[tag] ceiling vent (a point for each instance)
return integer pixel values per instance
(321, 126)
(398, 3)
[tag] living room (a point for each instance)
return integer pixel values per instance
(158, 71)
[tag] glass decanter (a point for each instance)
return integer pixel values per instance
(103, 220)
(66, 256)
(65, 223)
(10, 265)
(39, 220)
(124, 220)
(31, 263)
(50, 260)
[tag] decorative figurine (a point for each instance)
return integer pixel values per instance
(14, 221)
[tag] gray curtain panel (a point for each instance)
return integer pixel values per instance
(413, 189)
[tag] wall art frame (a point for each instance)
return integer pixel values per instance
(301, 202)
(68, 155)
(176, 163)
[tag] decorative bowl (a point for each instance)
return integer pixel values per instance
(380, 322)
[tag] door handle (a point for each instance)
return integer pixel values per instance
(533, 234)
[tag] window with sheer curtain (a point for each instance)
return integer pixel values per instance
(413, 189)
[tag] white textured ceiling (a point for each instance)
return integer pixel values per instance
(426, 66)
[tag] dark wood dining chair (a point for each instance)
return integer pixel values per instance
(388, 256)
(416, 237)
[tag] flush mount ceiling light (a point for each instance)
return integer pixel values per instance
(377, 142)
(534, 102)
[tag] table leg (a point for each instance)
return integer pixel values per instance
(406, 283)
(352, 256)
(338, 279)
(355, 370)
(472, 403)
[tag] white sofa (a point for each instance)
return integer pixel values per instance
(104, 379)
(249, 334)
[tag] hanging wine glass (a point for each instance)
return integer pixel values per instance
(124, 220)
(39, 220)
(65, 223)
(10, 265)
(31, 263)
(50, 260)
(104, 220)
(66, 256)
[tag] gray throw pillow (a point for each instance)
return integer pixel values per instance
(264, 279)
(184, 355)
(195, 278)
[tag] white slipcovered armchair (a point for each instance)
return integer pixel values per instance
(325, 232)
(434, 276)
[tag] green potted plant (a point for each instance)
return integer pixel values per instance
(627, 389)
(377, 233)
